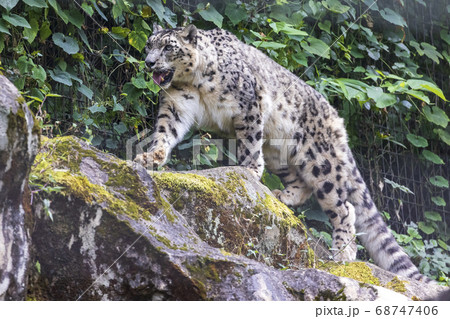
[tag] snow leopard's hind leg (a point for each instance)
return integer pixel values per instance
(342, 217)
(296, 192)
(331, 198)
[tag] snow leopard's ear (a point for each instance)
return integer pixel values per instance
(156, 28)
(189, 34)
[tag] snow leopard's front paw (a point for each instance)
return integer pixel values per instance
(278, 194)
(346, 253)
(285, 196)
(153, 159)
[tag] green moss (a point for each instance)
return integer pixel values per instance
(235, 184)
(225, 253)
(355, 270)
(204, 268)
(281, 210)
(311, 255)
(396, 285)
(165, 241)
(58, 164)
(204, 187)
(20, 100)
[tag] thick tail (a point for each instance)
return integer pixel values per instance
(377, 237)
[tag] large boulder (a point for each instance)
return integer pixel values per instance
(18, 146)
(105, 229)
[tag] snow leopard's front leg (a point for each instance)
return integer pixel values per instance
(249, 133)
(173, 122)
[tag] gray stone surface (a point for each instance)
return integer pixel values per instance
(19, 140)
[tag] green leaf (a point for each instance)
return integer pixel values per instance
(162, 12)
(8, 4)
(58, 10)
(436, 115)
(400, 187)
(36, 3)
(316, 47)
(235, 13)
(417, 141)
(44, 31)
(23, 63)
(97, 8)
(426, 228)
(418, 95)
(393, 17)
(152, 86)
(61, 77)
(373, 53)
(75, 17)
(439, 181)
(211, 14)
(131, 92)
(442, 244)
(120, 128)
(426, 86)
(431, 52)
(117, 106)
(2, 44)
(286, 29)
(38, 73)
(335, 6)
(434, 216)
(268, 45)
(381, 99)
(272, 181)
(87, 8)
(325, 26)
(121, 32)
(438, 201)
(97, 109)
(444, 135)
(157, 6)
(3, 28)
(84, 38)
(68, 44)
(137, 39)
(139, 81)
(386, 99)
(445, 35)
(31, 33)
(87, 92)
(417, 47)
(16, 20)
(432, 157)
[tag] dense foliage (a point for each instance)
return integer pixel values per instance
(80, 65)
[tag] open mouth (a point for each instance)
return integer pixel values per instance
(163, 77)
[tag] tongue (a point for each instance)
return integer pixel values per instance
(157, 77)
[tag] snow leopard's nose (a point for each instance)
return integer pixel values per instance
(149, 62)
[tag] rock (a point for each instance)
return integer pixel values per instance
(19, 139)
(120, 233)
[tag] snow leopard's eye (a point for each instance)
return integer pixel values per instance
(168, 48)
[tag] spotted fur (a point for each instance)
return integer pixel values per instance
(213, 81)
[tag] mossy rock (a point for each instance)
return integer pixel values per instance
(120, 233)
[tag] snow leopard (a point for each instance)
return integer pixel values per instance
(211, 80)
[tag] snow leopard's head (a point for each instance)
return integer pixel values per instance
(171, 54)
